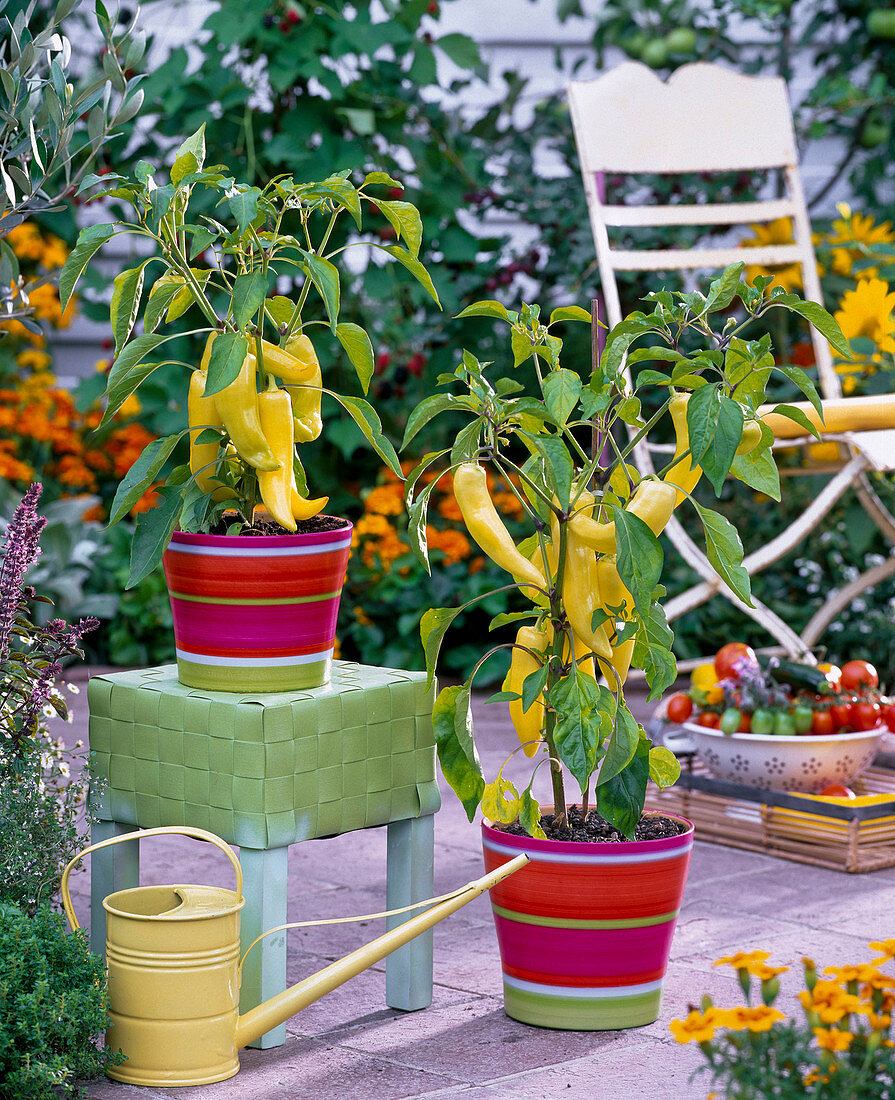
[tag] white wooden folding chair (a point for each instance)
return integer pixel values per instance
(710, 119)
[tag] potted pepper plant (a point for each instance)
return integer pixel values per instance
(585, 928)
(250, 613)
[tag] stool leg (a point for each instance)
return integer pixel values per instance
(111, 869)
(409, 878)
(264, 972)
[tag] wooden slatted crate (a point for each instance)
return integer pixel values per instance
(856, 837)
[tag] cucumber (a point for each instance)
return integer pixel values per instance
(801, 677)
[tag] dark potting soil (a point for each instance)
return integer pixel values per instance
(594, 829)
(268, 527)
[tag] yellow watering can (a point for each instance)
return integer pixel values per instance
(173, 961)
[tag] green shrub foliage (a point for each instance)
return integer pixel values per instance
(52, 1007)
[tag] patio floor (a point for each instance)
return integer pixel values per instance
(464, 1045)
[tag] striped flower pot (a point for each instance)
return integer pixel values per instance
(256, 613)
(585, 929)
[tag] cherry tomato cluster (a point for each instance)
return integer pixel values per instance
(735, 694)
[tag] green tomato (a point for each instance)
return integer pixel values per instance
(655, 54)
(784, 726)
(763, 721)
(681, 40)
(881, 23)
(802, 717)
(730, 720)
(874, 132)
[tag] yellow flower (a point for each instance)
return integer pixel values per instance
(855, 234)
(832, 1038)
(26, 241)
(863, 972)
(779, 231)
(744, 960)
(887, 947)
(829, 1002)
(868, 311)
(32, 359)
(759, 1018)
(698, 1027)
(362, 617)
(879, 1021)
(764, 973)
(130, 407)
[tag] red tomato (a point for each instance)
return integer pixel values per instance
(841, 713)
(858, 676)
(889, 717)
(710, 719)
(836, 790)
(865, 715)
(728, 655)
(680, 707)
(745, 725)
(822, 723)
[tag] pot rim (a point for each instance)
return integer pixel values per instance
(572, 847)
(849, 738)
(264, 542)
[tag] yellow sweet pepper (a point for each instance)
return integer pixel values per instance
(618, 603)
(581, 594)
(275, 414)
(307, 394)
(528, 724)
(237, 406)
(684, 474)
(202, 413)
(488, 529)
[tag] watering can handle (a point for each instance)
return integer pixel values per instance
(139, 834)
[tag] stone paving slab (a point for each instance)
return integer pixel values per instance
(464, 1047)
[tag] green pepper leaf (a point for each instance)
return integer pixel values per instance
(652, 651)
(90, 241)
(562, 388)
(640, 558)
(664, 767)
(580, 726)
(153, 533)
(228, 353)
(364, 415)
(725, 552)
(433, 627)
(460, 765)
(141, 475)
(620, 800)
(249, 292)
(359, 350)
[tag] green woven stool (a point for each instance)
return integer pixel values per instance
(265, 771)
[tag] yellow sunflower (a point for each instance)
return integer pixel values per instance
(868, 311)
(779, 231)
(853, 237)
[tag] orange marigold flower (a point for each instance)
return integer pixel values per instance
(833, 1038)
(94, 514)
(476, 564)
(361, 616)
(829, 1001)
(697, 1027)
(12, 468)
(126, 445)
(385, 500)
(764, 973)
(375, 525)
(70, 470)
(757, 1018)
(887, 947)
(743, 960)
(449, 509)
(453, 544)
(863, 972)
(508, 503)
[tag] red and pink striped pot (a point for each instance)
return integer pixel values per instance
(585, 929)
(256, 614)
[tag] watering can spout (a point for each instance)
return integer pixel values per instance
(254, 1023)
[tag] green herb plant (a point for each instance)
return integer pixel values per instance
(566, 446)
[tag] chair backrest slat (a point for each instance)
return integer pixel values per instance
(705, 118)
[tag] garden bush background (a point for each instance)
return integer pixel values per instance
(488, 157)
